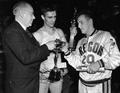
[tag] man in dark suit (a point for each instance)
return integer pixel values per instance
(23, 53)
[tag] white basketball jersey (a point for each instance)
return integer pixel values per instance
(100, 45)
(43, 37)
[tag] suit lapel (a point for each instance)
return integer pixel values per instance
(26, 34)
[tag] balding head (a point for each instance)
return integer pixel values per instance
(24, 13)
(20, 6)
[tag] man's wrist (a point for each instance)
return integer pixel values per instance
(67, 53)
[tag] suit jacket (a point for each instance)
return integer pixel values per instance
(23, 55)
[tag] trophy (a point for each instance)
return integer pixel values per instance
(55, 73)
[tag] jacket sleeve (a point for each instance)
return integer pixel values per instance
(111, 52)
(26, 52)
(74, 58)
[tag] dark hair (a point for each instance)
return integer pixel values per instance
(87, 13)
(48, 7)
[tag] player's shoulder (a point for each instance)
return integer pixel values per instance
(59, 31)
(104, 33)
(38, 33)
(58, 28)
(40, 30)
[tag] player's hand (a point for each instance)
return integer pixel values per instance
(51, 45)
(65, 48)
(93, 67)
(73, 32)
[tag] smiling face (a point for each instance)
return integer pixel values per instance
(84, 24)
(49, 18)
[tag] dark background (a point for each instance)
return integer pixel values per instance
(107, 13)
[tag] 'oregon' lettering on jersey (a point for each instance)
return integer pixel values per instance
(92, 47)
(99, 46)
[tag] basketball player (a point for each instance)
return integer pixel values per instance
(95, 57)
(47, 33)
